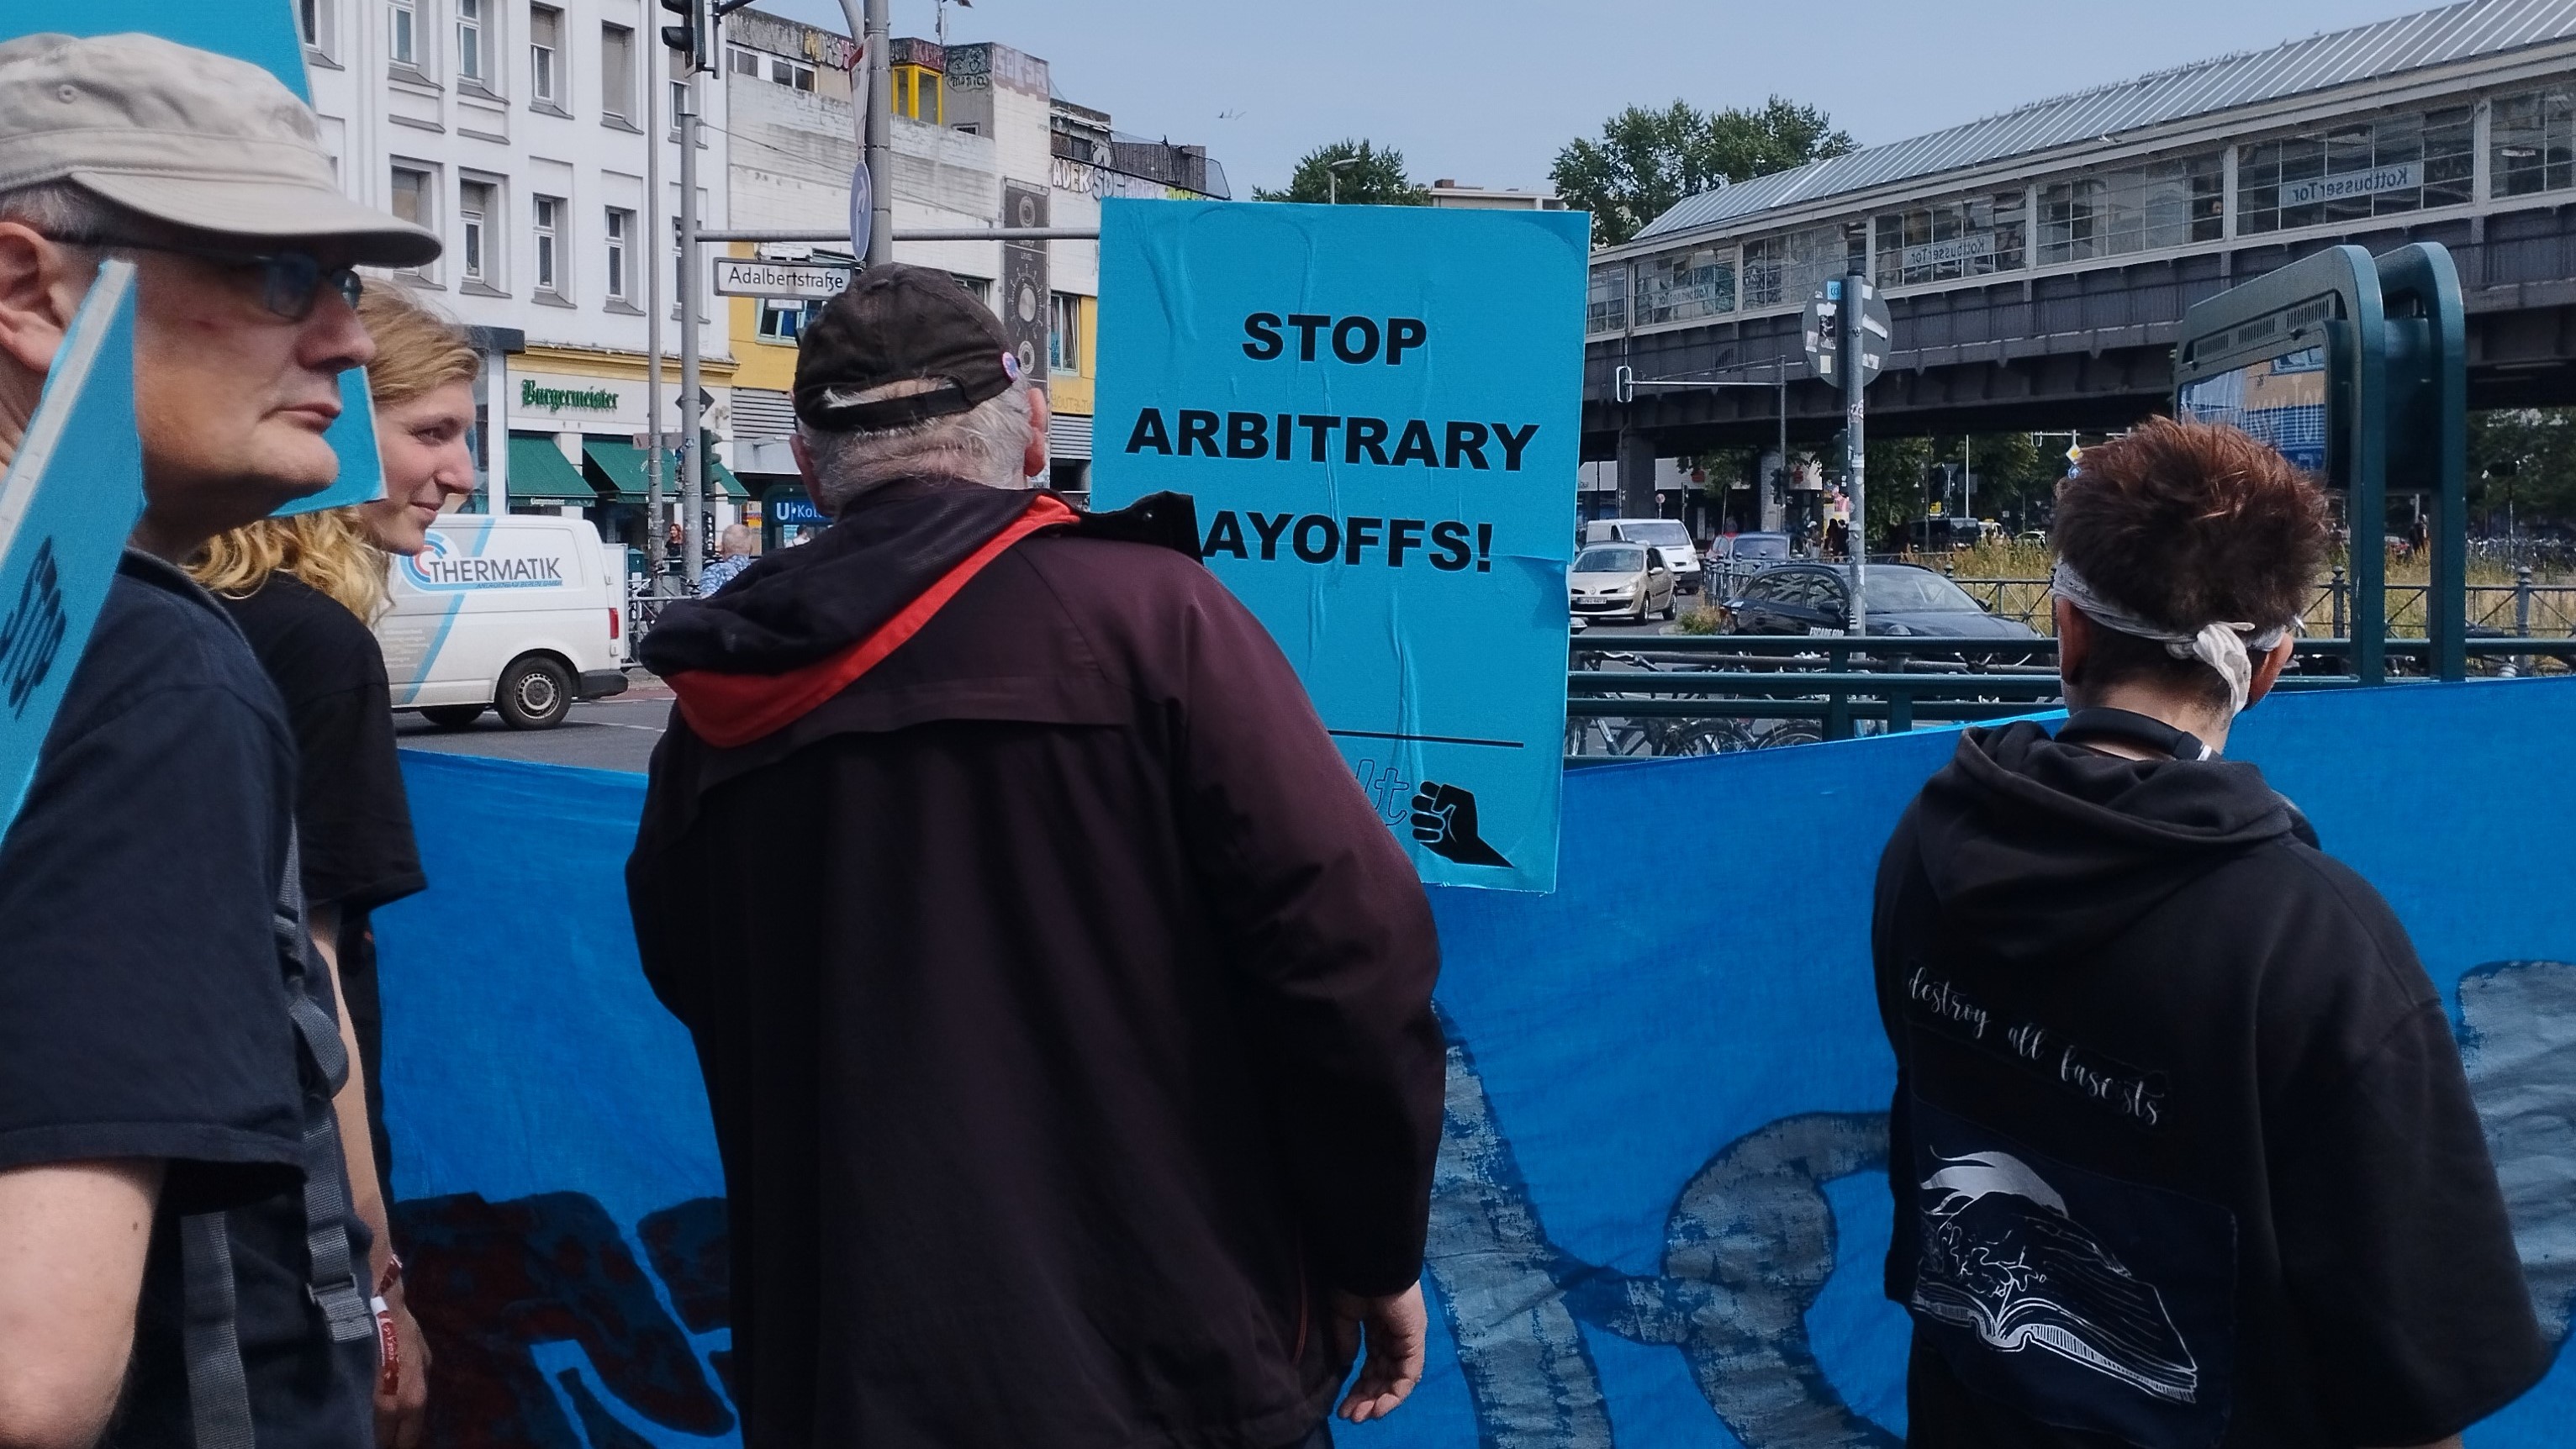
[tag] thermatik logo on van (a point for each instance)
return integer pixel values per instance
(434, 570)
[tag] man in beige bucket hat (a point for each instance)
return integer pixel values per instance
(178, 1264)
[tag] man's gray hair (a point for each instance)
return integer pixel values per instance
(986, 444)
(59, 209)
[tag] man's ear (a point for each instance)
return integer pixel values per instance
(41, 286)
(2267, 670)
(805, 471)
(1034, 461)
(2074, 641)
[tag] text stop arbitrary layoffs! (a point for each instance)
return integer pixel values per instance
(1352, 440)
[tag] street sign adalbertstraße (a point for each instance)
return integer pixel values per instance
(750, 277)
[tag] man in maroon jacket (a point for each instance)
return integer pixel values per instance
(1064, 1007)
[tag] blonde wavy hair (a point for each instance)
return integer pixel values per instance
(417, 353)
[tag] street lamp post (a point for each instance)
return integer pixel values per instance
(1333, 178)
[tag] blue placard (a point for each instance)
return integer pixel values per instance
(71, 495)
(263, 33)
(1376, 409)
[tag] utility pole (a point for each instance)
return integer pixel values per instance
(692, 424)
(870, 27)
(647, 250)
(1855, 457)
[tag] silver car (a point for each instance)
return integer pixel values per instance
(1611, 579)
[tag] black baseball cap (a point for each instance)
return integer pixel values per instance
(893, 324)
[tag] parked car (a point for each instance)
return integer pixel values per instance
(1736, 557)
(520, 613)
(1620, 578)
(1811, 598)
(1667, 534)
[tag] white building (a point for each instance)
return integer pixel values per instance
(980, 140)
(1448, 193)
(517, 132)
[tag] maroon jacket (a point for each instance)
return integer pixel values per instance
(1063, 1004)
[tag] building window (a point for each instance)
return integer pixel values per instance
(546, 215)
(315, 24)
(617, 72)
(1064, 332)
(2357, 170)
(469, 40)
(412, 190)
(403, 16)
(545, 49)
(621, 225)
(1972, 238)
(979, 288)
(916, 93)
(793, 74)
(1787, 269)
(1605, 302)
(679, 105)
(744, 62)
(2533, 148)
(474, 214)
(2134, 209)
(1681, 286)
(783, 320)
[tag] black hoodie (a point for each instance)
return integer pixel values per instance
(2181, 1150)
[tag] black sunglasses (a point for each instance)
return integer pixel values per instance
(290, 282)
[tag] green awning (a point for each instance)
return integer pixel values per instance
(620, 466)
(538, 469)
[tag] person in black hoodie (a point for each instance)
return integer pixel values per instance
(2181, 1150)
(1064, 1006)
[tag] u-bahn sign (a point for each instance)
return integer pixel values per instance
(1821, 331)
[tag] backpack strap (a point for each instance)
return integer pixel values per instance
(218, 1395)
(332, 1277)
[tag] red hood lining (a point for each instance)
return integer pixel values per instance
(729, 710)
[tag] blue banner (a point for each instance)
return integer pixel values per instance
(1377, 411)
(263, 33)
(72, 492)
(1661, 1207)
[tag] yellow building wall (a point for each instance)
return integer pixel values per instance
(759, 361)
(1071, 392)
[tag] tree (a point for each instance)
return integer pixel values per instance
(1646, 161)
(2522, 466)
(1377, 179)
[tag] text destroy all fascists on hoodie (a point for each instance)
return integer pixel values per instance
(2181, 1150)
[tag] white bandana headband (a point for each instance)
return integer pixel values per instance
(2222, 646)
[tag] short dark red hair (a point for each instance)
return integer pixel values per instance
(2187, 524)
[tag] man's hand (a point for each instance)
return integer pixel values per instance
(402, 1387)
(1392, 1330)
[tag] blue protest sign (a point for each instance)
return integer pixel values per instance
(263, 33)
(71, 495)
(1376, 409)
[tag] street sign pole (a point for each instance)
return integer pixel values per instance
(692, 419)
(647, 250)
(1855, 456)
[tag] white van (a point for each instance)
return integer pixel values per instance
(1666, 534)
(520, 613)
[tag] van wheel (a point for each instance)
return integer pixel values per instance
(452, 716)
(535, 694)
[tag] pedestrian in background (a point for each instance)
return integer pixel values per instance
(2181, 1148)
(1088, 1091)
(733, 555)
(305, 591)
(174, 1210)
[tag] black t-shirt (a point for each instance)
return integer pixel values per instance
(352, 815)
(2181, 1150)
(143, 1011)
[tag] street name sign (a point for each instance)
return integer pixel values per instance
(749, 277)
(1380, 443)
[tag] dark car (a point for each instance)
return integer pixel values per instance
(1736, 557)
(1809, 598)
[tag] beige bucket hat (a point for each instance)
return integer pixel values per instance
(198, 140)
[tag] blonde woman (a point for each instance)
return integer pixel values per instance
(305, 590)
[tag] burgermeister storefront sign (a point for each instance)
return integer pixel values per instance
(533, 396)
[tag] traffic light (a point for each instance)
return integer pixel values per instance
(696, 36)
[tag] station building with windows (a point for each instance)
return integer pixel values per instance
(2038, 262)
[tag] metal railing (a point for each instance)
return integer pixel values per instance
(2522, 607)
(1654, 696)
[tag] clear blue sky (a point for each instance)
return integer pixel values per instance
(1486, 91)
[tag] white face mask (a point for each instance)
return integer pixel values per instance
(2225, 647)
